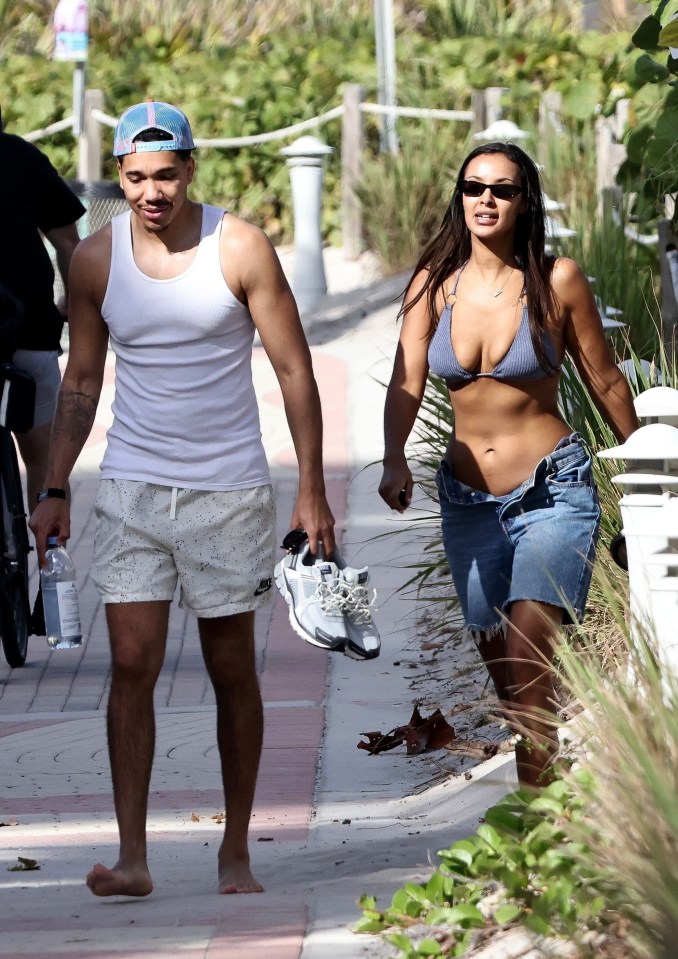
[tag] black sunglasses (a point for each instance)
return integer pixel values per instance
(294, 540)
(502, 191)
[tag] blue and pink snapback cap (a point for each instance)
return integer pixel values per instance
(144, 116)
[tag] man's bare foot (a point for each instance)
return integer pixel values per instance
(119, 882)
(235, 876)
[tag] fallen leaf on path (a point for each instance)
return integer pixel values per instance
(10, 822)
(431, 732)
(220, 817)
(195, 817)
(379, 743)
(24, 865)
(474, 748)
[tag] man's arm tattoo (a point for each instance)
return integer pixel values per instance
(74, 415)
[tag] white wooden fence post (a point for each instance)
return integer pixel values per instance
(479, 109)
(609, 156)
(351, 169)
(550, 107)
(493, 107)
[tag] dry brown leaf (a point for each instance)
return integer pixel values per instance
(432, 732)
(473, 748)
(24, 865)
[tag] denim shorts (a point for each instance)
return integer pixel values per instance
(535, 543)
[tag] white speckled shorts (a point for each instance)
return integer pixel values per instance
(219, 546)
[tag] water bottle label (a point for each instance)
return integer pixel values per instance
(69, 613)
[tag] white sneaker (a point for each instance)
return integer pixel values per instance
(363, 636)
(315, 593)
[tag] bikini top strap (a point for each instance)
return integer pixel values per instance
(456, 282)
(453, 291)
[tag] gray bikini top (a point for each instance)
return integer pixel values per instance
(519, 363)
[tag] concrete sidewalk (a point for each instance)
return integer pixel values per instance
(330, 822)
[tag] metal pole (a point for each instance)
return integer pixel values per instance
(351, 163)
(78, 98)
(89, 142)
(384, 27)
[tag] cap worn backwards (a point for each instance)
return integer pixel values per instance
(152, 114)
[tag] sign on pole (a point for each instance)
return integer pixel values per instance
(71, 28)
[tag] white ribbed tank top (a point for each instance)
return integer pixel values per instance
(185, 411)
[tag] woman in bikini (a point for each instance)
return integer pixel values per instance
(492, 313)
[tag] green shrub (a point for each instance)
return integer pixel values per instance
(250, 68)
(529, 863)
(404, 197)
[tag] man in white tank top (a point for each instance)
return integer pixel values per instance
(178, 289)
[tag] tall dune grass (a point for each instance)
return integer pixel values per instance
(629, 738)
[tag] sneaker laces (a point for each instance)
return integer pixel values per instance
(358, 602)
(329, 596)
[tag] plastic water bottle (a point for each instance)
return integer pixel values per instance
(60, 598)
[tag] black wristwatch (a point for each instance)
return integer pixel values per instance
(52, 492)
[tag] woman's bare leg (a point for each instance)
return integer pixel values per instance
(530, 642)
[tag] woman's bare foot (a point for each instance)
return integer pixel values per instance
(235, 876)
(119, 882)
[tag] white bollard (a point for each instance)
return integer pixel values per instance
(657, 405)
(664, 589)
(649, 510)
(643, 524)
(305, 161)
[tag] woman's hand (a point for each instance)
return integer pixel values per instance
(396, 484)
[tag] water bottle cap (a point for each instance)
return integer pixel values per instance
(52, 540)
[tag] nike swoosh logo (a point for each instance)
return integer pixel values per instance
(263, 587)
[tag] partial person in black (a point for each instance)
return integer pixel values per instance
(37, 203)
(492, 312)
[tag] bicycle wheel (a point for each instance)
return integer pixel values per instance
(14, 602)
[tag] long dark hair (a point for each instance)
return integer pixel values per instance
(450, 248)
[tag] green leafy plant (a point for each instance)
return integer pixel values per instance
(521, 866)
(458, 18)
(242, 68)
(651, 167)
(404, 197)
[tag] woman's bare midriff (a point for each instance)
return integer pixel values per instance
(502, 431)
